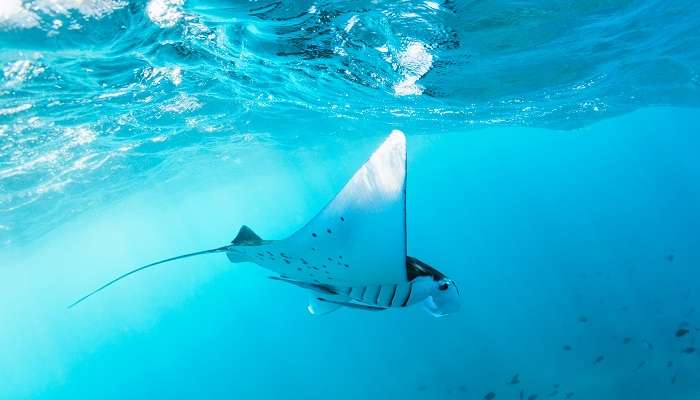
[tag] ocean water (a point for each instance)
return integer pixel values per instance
(552, 173)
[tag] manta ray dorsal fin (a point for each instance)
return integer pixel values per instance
(359, 238)
(246, 236)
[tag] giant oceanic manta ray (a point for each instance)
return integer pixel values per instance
(353, 253)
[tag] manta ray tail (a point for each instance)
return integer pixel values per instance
(133, 271)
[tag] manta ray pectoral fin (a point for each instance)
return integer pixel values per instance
(318, 306)
(360, 236)
(135, 270)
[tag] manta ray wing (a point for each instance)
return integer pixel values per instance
(358, 239)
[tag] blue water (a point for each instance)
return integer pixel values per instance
(552, 173)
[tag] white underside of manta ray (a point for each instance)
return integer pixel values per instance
(353, 253)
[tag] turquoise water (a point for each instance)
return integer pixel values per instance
(552, 173)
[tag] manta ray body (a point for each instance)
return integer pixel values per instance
(353, 253)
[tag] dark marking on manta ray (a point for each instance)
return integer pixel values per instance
(490, 396)
(681, 332)
(599, 360)
(515, 380)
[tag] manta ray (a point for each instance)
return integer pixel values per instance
(353, 253)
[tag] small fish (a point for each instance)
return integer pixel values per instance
(462, 388)
(556, 386)
(554, 393)
(583, 319)
(641, 364)
(648, 345)
(521, 396)
(688, 350)
(567, 347)
(627, 340)
(599, 360)
(569, 395)
(674, 379)
(682, 332)
(422, 388)
(532, 397)
(669, 364)
(515, 380)
(670, 257)
(490, 396)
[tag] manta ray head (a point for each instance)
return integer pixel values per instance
(442, 297)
